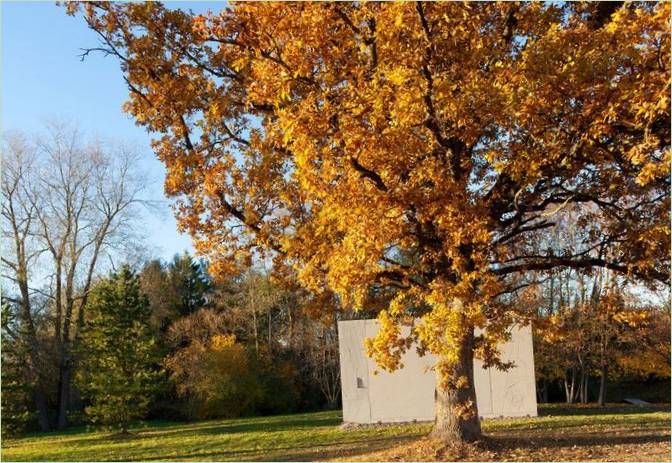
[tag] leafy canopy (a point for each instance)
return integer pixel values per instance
(418, 148)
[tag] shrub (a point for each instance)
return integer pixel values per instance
(216, 378)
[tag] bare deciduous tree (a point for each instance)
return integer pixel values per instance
(18, 217)
(67, 204)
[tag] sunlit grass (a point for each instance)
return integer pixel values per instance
(309, 436)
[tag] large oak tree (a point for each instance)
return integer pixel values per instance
(414, 150)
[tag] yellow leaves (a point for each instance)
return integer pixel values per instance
(288, 129)
(308, 94)
(240, 63)
(285, 92)
(651, 169)
(632, 318)
(220, 342)
(398, 75)
(199, 27)
(441, 330)
(644, 365)
(399, 19)
(398, 305)
(387, 347)
(465, 411)
(613, 26)
(650, 172)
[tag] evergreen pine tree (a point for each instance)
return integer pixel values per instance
(117, 371)
(16, 406)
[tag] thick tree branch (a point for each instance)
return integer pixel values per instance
(585, 263)
(367, 173)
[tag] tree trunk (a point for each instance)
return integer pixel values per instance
(456, 411)
(64, 370)
(603, 385)
(42, 411)
(39, 398)
(63, 394)
(290, 327)
(256, 334)
(270, 330)
(33, 370)
(571, 392)
(543, 394)
(582, 383)
(574, 388)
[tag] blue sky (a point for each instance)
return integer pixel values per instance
(43, 77)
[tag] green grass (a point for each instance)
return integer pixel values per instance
(302, 437)
(291, 437)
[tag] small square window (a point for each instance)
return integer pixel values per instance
(360, 383)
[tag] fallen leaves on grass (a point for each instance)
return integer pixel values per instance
(635, 448)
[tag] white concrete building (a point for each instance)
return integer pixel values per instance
(408, 393)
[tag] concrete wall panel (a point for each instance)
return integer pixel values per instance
(514, 391)
(354, 373)
(403, 395)
(371, 395)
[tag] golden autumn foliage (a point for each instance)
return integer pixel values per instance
(417, 147)
(607, 331)
(214, 373)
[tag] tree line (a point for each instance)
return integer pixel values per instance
(593, 330)
(93, 331)
(167, 342)
(161, 338)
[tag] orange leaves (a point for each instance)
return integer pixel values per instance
(380, 149)
(199, 27)
(220, 342)
(387, 347)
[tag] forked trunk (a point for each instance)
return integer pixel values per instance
(456, 411)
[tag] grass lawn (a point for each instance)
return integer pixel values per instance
(561, 432)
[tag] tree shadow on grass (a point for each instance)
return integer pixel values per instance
(532, 443)
(308, 452)
(611, 409)
(251, 425)
(270, 427)
(245, 427)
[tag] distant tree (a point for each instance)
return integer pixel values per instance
(596, 329)
(175, 289)
(17, 385)
(285, 324)
(649, 355)
(320, 353)
(18, 219)
(251, 303)
(117, 370)
(67, 205)
(294, 356)
(190, 280)
(161, 294)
